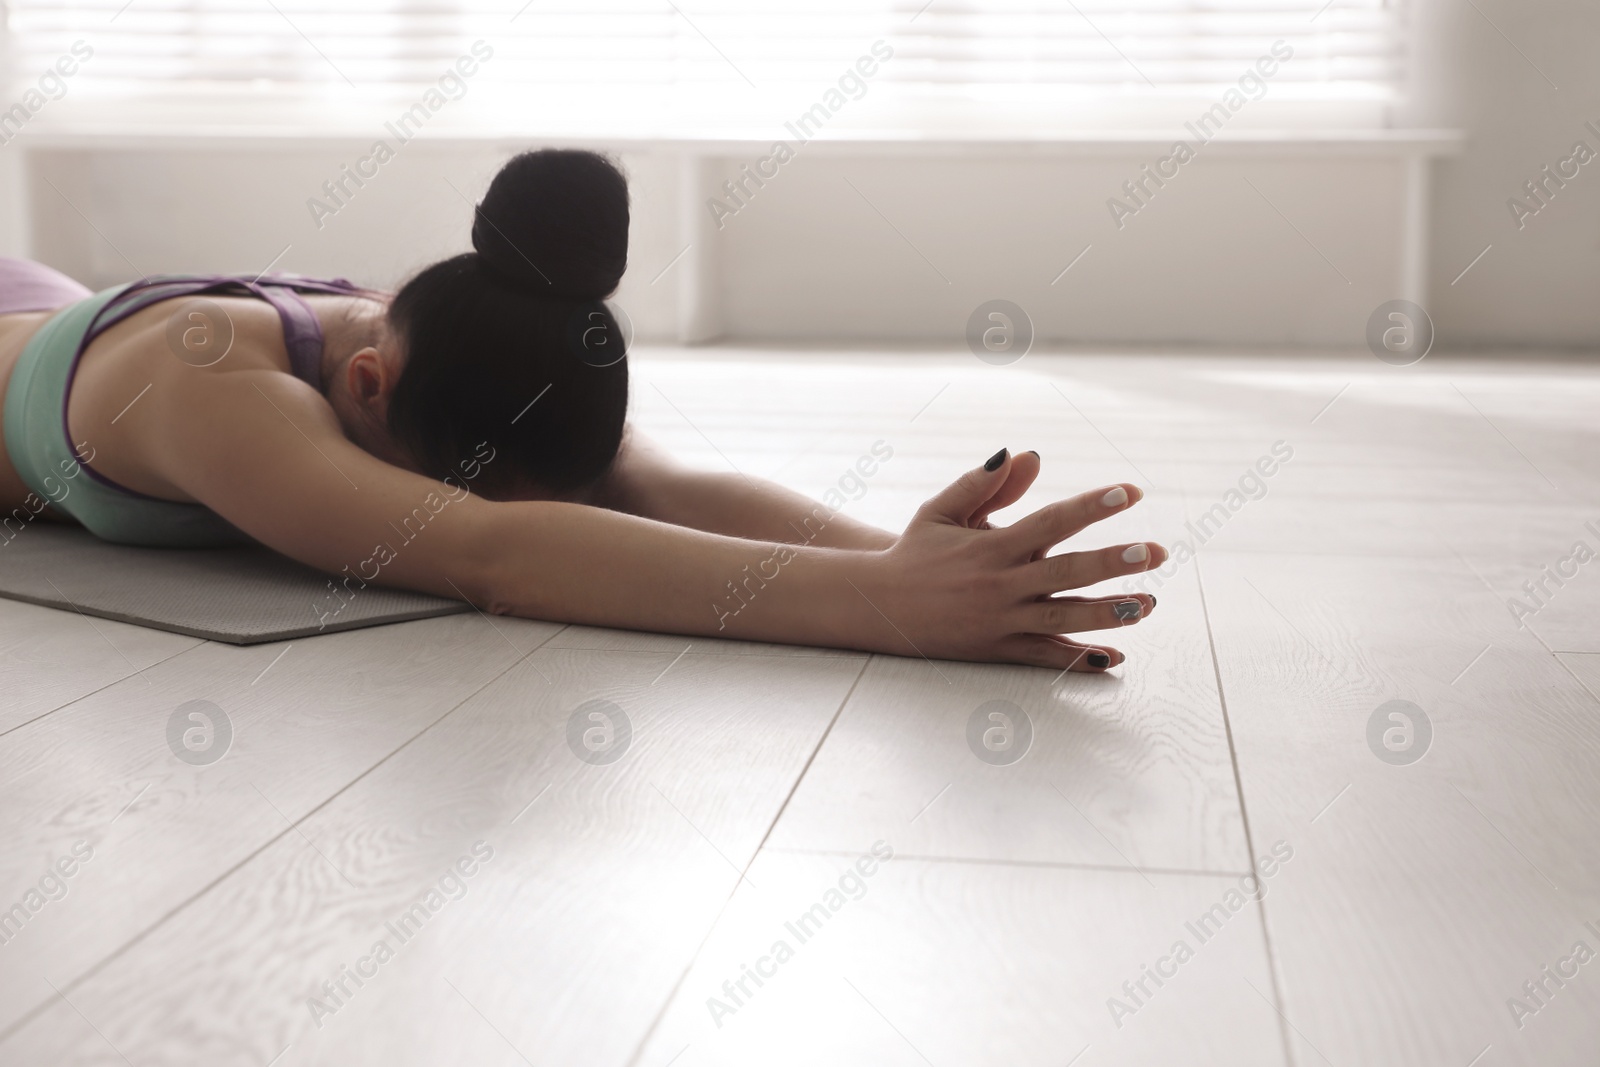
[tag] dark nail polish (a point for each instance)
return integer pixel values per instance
(995, 461)
(1034, 452)
(1099, 659)
(1152, 600)
(1128, 609)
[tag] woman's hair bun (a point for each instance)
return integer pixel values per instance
(555, 223)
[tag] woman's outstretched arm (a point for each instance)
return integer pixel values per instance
(647, 480)
(266, 452)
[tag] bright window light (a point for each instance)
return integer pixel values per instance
(712, 67)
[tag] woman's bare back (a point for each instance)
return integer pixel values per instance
(135, 363)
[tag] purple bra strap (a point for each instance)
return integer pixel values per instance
(302, 332)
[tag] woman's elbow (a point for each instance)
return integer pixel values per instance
(505, 559)
(478, 565)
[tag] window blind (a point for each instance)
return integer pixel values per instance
(698, 60)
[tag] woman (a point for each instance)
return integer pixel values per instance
(344, 429)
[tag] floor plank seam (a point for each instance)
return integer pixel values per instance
(1043, 864)
(28, 1016)
(711, 928)
(136, 671)
(1556, 655)
(1244, 816)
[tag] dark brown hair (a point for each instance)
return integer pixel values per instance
(519, 318)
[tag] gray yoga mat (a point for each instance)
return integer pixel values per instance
(244, 596)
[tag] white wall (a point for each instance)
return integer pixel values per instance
(1539, 285)
(161, 212)
(1209, 261)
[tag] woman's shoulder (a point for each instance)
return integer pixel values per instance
(215, 333)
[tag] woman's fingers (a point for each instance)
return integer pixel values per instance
(1021, 470)
(958, 501)
(1035, 619)
(1057, 653)
(1075, 570)
(1052, 616)
(1054, 523)
(1147, 599)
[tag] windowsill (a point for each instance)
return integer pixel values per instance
(80, 136)
(878, 123)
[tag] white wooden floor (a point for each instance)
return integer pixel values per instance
(620, 897)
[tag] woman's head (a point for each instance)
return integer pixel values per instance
(518, 320)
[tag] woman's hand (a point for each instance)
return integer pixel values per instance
(955, 587)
